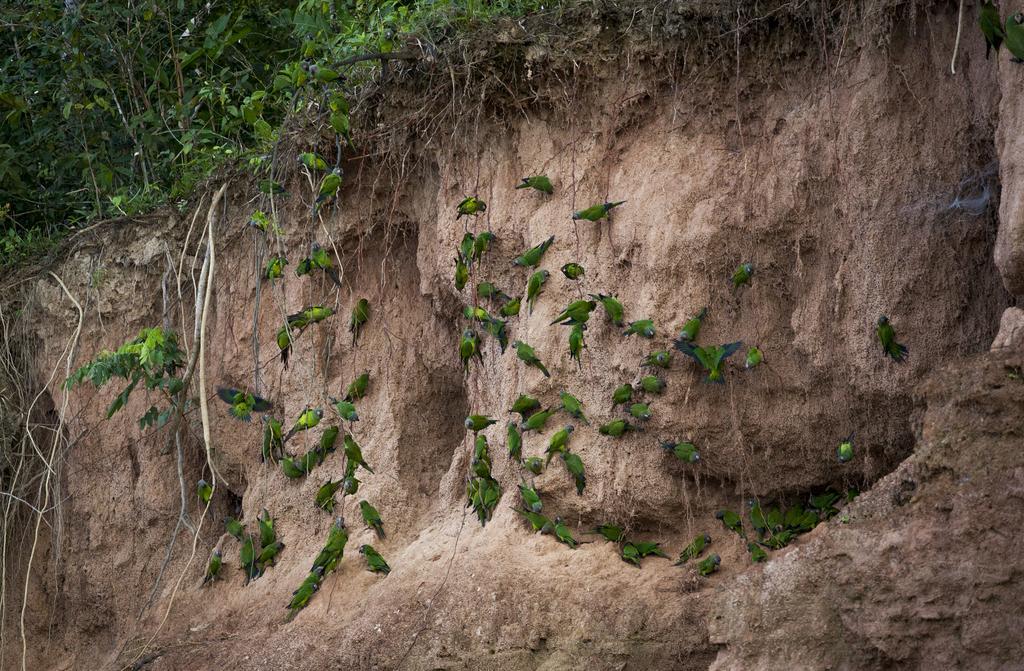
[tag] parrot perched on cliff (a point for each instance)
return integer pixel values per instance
(532, 256)
(641, 327)
(302, 595)
(345, 409)
(350, 483)
(622, 394)
(318, 259)
(374, 562)
(511, 308)
(537, 521)
(470, 206)
(649, 548)
(596, 212)
(577, 312)
(563, 534)
(574, 465)
(742, 275)
(524, 405)
(531, 499)
(537, 420)
(270, 187)
(757, 554)
(329, 186)
(616, 428)
(312, 161)
(466, 248)
(754, 358)
(988, 21)
(496, 328)
(360, 315)
(630, 553)
(357, 389)
(612, 307)
(732, 522)
(692, 326)
(469, 346)
(293, 468)
(652, 384)
(309, 418)
(694, 549)
(640, 411)
(485, 494)
(284, 344)
(266, 524)
(324, 498)
(527, 355)
(213, 567)
(481, 244)
(559, 442)
(477, 423)
(573, 406)
(573, 271)
(481, 462)
(611, 532)
(1014, 36)
(205, 491)
(334, 549)
(684, 451)
(534, 286)
(477, 314)
(534, 465)
(275, 267)
(710, 358)
(576, 344)
(354, 454)
(539, 182)
(372, 518)
(242, 403)
(514, 442)
(845, 450)
(660, 359)
(311, 315)
(247, 560)
(887, 336)
(268, 556)
(487, 290)
(461, 274)
(709, 565)
(234, 527)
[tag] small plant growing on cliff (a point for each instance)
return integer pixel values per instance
(153, 359)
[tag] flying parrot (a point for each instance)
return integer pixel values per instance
(538, 182)
(242, 403)
(470, 206)
(573, 271)
(531, 257)
(596, 212)
(710, 358)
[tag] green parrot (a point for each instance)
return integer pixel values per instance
(616, 428)
(234, 527)
(325, 496)
(311, 315)
(466, 248)
(477, 423)
(684, 451)
(576, 344)
(532, 256)
(487, 290)
(573, 271)
(261, 221)
(511, 308)
(578, 312)
(461, 274)
(266, 524)
(247, 559)
(652, 384)
(322, 74)
(481, 463)
(649, 548)
(778, 540)
(275, 267)
(481, 244)
(742, 275)
(845, 450)
(514, 442)
(611, 532)
(823, 503)
(757, 555)
(268, 556)
(596, 212)
(692, 326)
(694, 549)
(360, 315)
(573, 406)
(754, 358)
(563, 534)
(350, 484)
(534, 465)
(641, 327)
(537, 421)
(242, 403)
(1013, 34)
(661, 359)
(345, 409)
(757, 517)
(539, 522)
(313, 161)
(284, 343)
(732, 522)
(354, 454)
(496, 328)
(534, 287)
(357, 389)
(469, 346)
(887, 336)
(470, 206)
(293, 468)
(374, 562)
(213, 568)
(640, 411)
(710, 358)
(622, 394)
(524, 405)
(529, 357)
(329, 186)
(332, 552)
(612, 307)
(988, 21)
(476, 314)
(574, 465)
(559, 442)
(372, 518)
(309, 418)
(538, 182)
(630, 553)
(709, 565)
(305, 267)
(531, 499)
(305, 592)
(486, 494)
(205, 491)
(319, 259)
(270, 187)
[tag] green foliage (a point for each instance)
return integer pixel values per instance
(110, 108)
(153, 359)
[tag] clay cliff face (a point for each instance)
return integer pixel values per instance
(841, 179)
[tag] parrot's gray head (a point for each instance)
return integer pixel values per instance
(748, 267)
(569, 428)
(707, 538)
(216, 553)
(545, 273)
(883, 320)
(313, 69)
(695, 458)
(751, 503)
(468, 423)
(339, 522)
(516, 343)
(716, 559)
(362, 549)
(649, 332)
(511, 425)
(319, 413)
(558, 520)
(719, 514)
